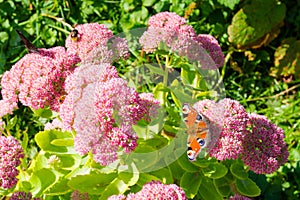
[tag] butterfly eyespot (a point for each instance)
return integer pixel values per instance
(199, 117)
(185, 109)
(191, 155)
(201, 142)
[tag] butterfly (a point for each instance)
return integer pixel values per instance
(29, 46)
(74, 35)
(197, 130)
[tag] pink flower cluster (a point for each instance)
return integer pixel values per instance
(173, 31)
(101, 108)
(22, 196)
(237, 134)
(266, 152)
(37, 80)
(238, 197)
(10, 154)
(95, 44)
(154, 190)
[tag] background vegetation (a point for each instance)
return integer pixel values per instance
(259, 38)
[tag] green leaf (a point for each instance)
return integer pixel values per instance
(223, 186)
(117, 186)
(148, 3)
(65, 142)
(43, 112)
(130, 178)
(185, 164)
(238, 170)
(92, 183)
(208, 191)
(230, 4)
(203, 162)
(41, 180)
(255, 25)
(163, 174)
(247, 187)
(190, 183)
(44, 140)
(214, 171)
(60, 188)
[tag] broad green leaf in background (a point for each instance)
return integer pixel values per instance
(229, 3)
(287, 59)
(256, 23)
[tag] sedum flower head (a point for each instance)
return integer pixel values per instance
(7, 107)
(37, 80)
(228, 121)
(10, 154)
(264, 147)
(229, 145)
(172, 30)
(238, 197)
(154, 190)
(101, 108)
(90, 36)
(210, 44)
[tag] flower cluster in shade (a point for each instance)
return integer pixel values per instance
(76, 195)
(172, 30)
(266, 152)
(10, 154)
(238, 197)
(101, 108)
(154, 190)
(96, 44)
(238, 134)
(22, 196)
(37, 79)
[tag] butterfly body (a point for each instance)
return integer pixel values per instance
(197, 130)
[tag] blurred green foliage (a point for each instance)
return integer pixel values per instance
(261, 71)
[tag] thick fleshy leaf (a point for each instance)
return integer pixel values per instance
(223, 186)
(238, 170)
(185, 164)
(52, 141)
(216, 170)
(208, 191)
(255, 25)
(41, 180)
(92, 183)
(247, 187)
(117, 186)
(190, 183)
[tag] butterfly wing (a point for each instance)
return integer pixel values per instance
(197, 130)
(29, 46)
